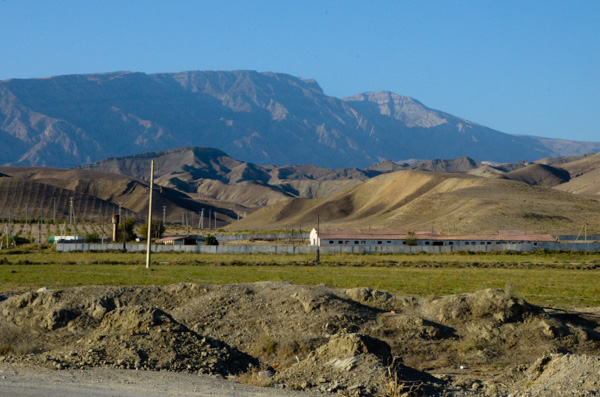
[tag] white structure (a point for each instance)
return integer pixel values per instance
(314, 238)
(65, 239)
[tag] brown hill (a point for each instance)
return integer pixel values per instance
(458, 165)
(451, 203)
(540, 175)
(210, 174)
(561, 160)
(30, 200)
(585, 176)
(114, 189)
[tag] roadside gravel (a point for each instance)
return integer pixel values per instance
(19, 381)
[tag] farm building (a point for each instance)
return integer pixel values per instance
(181, 240)
(421, 238)
(65, 239)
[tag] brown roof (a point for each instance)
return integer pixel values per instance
(173, 238)
(430, 235)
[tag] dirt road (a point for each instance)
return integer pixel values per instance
(104, 382)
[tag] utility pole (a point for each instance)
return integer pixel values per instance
(201, 220)
(54, 216)
(149, 246)
(71, 212)
(318, 258)
(164, 213)
(209, 218)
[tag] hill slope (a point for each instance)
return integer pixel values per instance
(96, 196)
(450, 203)
(256, 117)
(210, 174)
(585, 176)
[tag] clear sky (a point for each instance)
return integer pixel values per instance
(529, 67)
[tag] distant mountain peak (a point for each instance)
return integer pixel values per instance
(404, 108)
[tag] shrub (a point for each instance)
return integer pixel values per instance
(158, 229)
(411, 239)
(90, 238)
(210, 240)
(126, 229)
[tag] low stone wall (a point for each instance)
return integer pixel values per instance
(341, 249)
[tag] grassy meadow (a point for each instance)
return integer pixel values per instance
(554, 279)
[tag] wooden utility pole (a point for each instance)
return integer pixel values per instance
(149, 246)
(318, 258)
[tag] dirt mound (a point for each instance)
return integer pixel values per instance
(562, 374)
(148, 338)
(354, 365)
(96, 332)
(354, 339)
(489, 305)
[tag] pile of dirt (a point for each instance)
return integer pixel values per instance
(561, 374)
(128, 337)
(356, 341)
(355, 365)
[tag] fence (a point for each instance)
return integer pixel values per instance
(349, 249)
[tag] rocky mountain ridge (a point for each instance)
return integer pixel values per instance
(263, 118)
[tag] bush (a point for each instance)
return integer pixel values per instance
(90, 238)
(158, 229)
(126, 228)
(210, 240)
(411, 239)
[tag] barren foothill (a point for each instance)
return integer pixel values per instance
(353, 342)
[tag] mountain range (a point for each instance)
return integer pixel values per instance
(262, 118)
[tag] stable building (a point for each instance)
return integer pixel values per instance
(420, 238)
(181, 240)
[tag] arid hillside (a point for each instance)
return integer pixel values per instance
(585, 176)
(451, 203)
(96, 196)
(210, 174)
(453, 196)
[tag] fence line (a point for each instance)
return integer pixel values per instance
(303, 249)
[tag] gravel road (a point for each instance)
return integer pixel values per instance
(102, 382)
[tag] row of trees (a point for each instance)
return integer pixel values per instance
(126, 231)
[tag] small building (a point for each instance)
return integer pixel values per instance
(181, 240)
(65, 239)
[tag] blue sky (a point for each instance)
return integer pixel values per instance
(528, 67)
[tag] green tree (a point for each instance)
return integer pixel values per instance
(210, 240)
(126, 229)
(90, 237)
(158, 229)
(411, 239)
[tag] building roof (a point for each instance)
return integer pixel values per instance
(176, 238)
(431, 235)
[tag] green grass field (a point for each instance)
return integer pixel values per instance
(550, 279)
